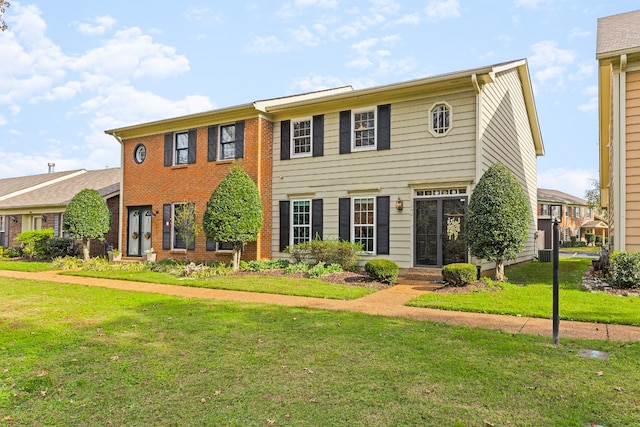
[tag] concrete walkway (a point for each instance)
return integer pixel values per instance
(389, 302)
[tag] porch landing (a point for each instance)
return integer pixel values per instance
(422, 279)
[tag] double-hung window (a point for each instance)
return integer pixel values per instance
(301, 133)
(178, 238)
(182, 148)
(2, 219)
(364, 129)
(228, 142)
(300, 221)
(364, 222)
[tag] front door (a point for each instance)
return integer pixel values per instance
(139, 233)
(439, 231)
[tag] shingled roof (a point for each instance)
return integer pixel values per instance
(618, 34)
(55, 189)
(546, 195)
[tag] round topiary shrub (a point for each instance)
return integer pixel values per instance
(382, 270)
(459, 274)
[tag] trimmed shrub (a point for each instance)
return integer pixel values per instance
(335, 251)
(459, 274)
(13, 252)
(54, 247)
(382, 270)
(625, 270)
(33, 240)
(590, 238)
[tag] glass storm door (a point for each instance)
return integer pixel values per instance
(139, 234)
(439, 232)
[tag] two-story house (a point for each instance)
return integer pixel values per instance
(390, 167)
(575, 218)
(618, 55)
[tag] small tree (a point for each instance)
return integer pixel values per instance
(498, 218)
(186, 225)
(87, 217)
(592, 196)
(234, 212)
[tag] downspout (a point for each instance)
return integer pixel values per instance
(622, 154)
(121, 199)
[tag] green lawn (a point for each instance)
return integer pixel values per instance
(281, 285)
(30, 266)
(529, 294)
(75, 355)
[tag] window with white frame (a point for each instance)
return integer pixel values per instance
(440, 119)
(224, 247)
(300, 221)
(556, 212)
(578, 212)
(364, 222)
(228, 142)
(364, 129)
(301, 137)
(181, 148)
(544, 210)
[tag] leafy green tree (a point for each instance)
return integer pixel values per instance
(186, 224)
(592, 195)
(33, 239)
(87, 217)
(498, 218)
(234, 212)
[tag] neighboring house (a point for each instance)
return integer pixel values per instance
(618, 55)
(575, 218)
(39, 201)
(390, 167)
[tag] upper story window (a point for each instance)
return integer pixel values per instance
(228, 142)
(440, 119)
(556, 211)
(364, 129)
(182, 148)
(578, 212)
(301, 132)
(544, 210)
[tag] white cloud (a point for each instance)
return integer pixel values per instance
(102, 24)
(3, 121)
(531, 4)
(577, 32)
(570, 181)
(313, 83)
(438, 10)
(388, 7)
(413, 19)
(289, 10)
(304, 36)
(15, 132)
(591, 105)
(551, 63)
(202, 15)
(373, 52)
(269, 44)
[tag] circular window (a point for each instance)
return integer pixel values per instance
(139, 153)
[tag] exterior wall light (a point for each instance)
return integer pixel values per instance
(399, 204)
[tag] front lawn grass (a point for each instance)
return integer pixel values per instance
(529, 294)
(75, 355)
(281, 285)
(28, 266)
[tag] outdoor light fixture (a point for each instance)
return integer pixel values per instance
(44, 218)
(399, 204)
(13, 218)
(151, 213)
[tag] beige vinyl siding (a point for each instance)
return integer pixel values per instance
(415, 155)
(505, 136)
(632, 159)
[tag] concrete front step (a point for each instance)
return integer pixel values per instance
(423, 277)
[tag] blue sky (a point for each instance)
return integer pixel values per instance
(72, 69)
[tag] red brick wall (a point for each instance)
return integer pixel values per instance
(153, 184)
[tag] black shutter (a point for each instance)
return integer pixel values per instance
(318, 135)
(168, 149)
(212, 143)
(384, 127)
(285, 140)
(284, 224)
(166, 226)
(240, 139)
(345, 132)
(211, 245)
(193, 137)
(383, 204)
(316, 219)
(344, 219)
